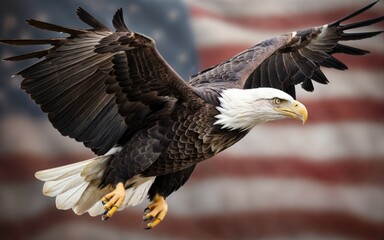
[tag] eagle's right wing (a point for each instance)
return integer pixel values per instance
(97, 84)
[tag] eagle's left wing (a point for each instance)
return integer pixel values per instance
(287, 60)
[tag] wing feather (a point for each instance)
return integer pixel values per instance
(118, 22)
(97, 84)
(36, 54)
(90, 20)
(54, 27)
(264, 75)
(280, 68)
(290, 59)
(340, 48)
(272, 74)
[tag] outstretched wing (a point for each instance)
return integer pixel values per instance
(285, 61)
(97, 84)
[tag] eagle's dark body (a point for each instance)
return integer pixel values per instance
(113, 90)
(170, 145)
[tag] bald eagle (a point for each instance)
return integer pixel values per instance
(149, 128)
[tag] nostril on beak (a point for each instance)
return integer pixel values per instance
(296, 104)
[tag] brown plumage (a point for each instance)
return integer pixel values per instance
(115, 93)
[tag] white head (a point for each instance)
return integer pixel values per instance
(243, 109)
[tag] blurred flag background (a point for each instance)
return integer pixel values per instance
(323, 180)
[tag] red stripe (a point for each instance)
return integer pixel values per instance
(22, 167)
(345, 110)
(340, 110)
(274, 223)
(286, 22)
(349, 171)
(210, 56)
(234, 226)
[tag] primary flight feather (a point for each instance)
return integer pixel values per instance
(114, 92)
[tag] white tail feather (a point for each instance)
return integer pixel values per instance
(90, 196)
(68, 183)
(56, 187)
(61, 172)
(76, 186)
(133, 195)
(96, 210)
(138, 192)
(68, 199)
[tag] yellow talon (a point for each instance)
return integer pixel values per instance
(154, 223)
(158, 209)
(113, 200)
(111, 211)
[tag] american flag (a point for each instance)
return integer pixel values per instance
(323, 180)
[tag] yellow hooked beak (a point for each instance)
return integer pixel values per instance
(295, 110)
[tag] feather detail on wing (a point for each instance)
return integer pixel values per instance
(97, 84)
(290, 59)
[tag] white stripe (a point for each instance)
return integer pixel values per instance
(226, 196)
(305, 234)
(22, 200)
(211, 32)
(351, 84)
(23, 134)
(230, 195)
(98, 231)
(273, 8)
(341, 140)
(317, 142)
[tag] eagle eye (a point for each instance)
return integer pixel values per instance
(277, 101)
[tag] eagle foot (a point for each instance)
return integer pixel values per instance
(112, 201)
(155, 212)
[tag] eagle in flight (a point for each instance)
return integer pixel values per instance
(114, 92)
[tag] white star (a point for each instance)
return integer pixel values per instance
(9, 22)
(25, 34)
(42, 16)
(133, 8)
(182, 57)
(158, 34)
(174, 14)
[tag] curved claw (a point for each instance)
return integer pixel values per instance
(146, 217)
(155, 211)
(112, 201)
